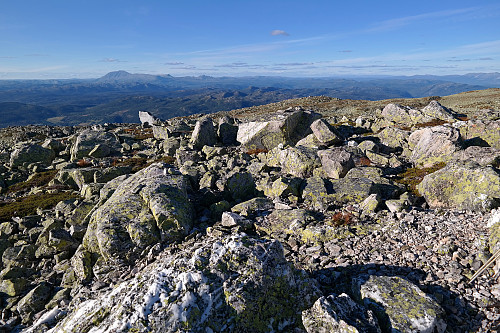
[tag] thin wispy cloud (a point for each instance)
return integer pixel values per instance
(403, 21)
(175, 63)
(292, 64)
(279, 33)
(345, 51)
(111, 60)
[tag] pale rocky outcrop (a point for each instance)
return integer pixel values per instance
(325, 133)
(231, 284)
(204, 133)
(408, 117)
(147, 118)
(336, 162)
(282, 127)
(433, 145)
(483, 156)
(486, 130)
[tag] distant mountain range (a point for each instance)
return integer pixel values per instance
(117, 96)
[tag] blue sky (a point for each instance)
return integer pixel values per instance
(88, 38)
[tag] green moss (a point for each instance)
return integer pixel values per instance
(414, 176)
(36, 180)
(29, 205)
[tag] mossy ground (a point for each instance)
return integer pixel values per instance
(37, 180)
(414, 176)
(28, 205)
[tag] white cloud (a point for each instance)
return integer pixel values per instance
(279, 33)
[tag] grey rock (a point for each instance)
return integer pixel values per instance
(400, 305)
(87, 141)
(462, 186)
(33, 302)
(299, 161)
(227, 131)
(325, 133)
(483, 156)
(204, 133)
(31, 153)
(433, 145)
(336, 162)
(486, 130)
(240, 185)
(146, 208)
(339, 314)
(217, 283)
(282, 127)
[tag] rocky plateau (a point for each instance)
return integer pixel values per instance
(375, 217)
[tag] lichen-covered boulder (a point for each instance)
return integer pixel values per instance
(299, 161)
(407, 116)
(282, 127)
(481, 155)
(240, 185)
(34, 301)
(231, 284)
(31, 153)
(89, 140)
(400, 305)
(325, 133)
(339, 314)
(146, 208)
(436, 111)
(487, 130)
(336, 162)
(403, 115)
(433, 145)
(315, 194)
(462, 186)
(204, 133)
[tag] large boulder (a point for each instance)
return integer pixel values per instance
(282, 127)
(486, 130)
(97, 143)
(400, 305)
(336, 162)
(146, 208)
(437, 111)
(299, 161)
(407, 117)
(231, 284)
(325, 133)
(433, 145)
(481, 155)
(462, 186)
(31, 153)
(204, 133)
